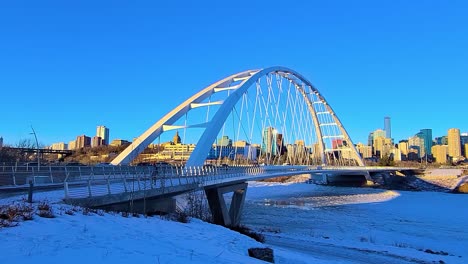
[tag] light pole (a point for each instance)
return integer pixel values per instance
(37, 148)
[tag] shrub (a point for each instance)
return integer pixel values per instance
(197, 206)
(248, 232)
(45, 210)
(179, 216)
(69, 212)
(16, 212)
(265, 254)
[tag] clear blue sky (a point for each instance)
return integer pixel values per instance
(68, 66)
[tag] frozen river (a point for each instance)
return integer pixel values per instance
(323, 224)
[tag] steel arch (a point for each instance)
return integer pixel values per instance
(198, 156)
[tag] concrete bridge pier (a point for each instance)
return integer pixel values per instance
(218, 207)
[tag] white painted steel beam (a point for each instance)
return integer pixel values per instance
(222, 89)
(196, 105)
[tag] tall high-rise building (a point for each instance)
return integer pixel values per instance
(379, 133)
(426, 135)
(378, 142)
(370, 139)
(269, 140)
(440, 153)
(387, 127)
(403, 146)
(454, 147)
(72, 145)
(103, 133)
(382, 146)
(1, 142)
(96, 141)
(82, 141)
(418, 144)
(364, 150)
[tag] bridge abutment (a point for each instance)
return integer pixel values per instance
(218, 207)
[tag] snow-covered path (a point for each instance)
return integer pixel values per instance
(360, 225)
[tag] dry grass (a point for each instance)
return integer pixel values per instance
(463, 188)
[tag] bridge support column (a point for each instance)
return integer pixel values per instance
(221, 215)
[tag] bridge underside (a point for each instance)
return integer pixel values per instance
(218, 207)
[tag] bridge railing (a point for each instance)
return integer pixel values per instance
(92, 181)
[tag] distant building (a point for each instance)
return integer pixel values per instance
(72, 145)
(387, 127)
(381, 145)
(426, 135)
(59, 146)
(280, 148)
(417, 143)
(463, 141)
(364, 150)
(395, 154)
(414, 153)
(337, 143)
(403, 146)
(370, 139)
(1, 142)
(297, 154)
(440, 152)
(269, 140)
(466, 150)
(454, 144)
(379, 133)
(248, 152)
(240, 144)
(299, 142)
(176, 140)
(224, 141)
(441, 140)
(103, 133)
(82, 142)
(119, 142)
(97, 141)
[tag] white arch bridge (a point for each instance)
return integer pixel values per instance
(271, 116)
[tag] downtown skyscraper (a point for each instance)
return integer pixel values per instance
(103, 133)
(387, 127)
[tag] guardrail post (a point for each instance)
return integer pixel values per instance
(124, 184)
(50, 173)
(14, 175)
(65, 188)
(89, 188)
(108, 186)
(30, 192)
(138, 180)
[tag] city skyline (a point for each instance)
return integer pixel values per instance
(77, 69)
(365, 142)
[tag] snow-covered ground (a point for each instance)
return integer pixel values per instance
(303, 223)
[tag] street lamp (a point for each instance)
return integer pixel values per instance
(37, 148)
